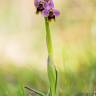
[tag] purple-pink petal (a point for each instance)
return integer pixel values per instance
(56, 12)
(45, 13)
(51, 4)
(36, 3)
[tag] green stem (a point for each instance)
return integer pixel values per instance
(48, 38)
(52, 72)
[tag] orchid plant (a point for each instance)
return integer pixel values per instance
(48, 11)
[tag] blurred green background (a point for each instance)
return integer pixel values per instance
(23, 51)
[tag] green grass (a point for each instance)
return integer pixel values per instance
(12, 82)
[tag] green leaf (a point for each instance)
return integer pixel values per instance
(35, 91)
(52, 74)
